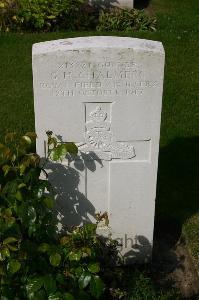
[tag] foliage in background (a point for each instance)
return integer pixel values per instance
(125, 20)
(45, 15)
(8, 10)
(51, 15)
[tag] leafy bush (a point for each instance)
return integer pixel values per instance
(51, 15)
(8, 10)
(46, 15)
(35, 262)
(117, 19)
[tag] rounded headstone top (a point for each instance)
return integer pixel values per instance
(98, 42)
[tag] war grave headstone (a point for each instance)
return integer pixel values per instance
(105, 94)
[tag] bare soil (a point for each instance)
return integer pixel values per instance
(172, 263)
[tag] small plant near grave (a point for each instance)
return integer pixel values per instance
(35, 262)
(117, 19)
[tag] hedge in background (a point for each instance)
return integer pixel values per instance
(52, 15)
(45, 15)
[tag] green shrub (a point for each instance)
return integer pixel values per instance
(36, 263)
(51, 15)
(46, 15)
(117, 19)
(8, 10)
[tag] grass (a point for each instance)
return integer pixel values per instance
(178, 29)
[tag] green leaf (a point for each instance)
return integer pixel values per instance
(58, 153)
(82, 295)
(10, 240)
(89, 229)
(51, 17)
(44, 247)
(68, 296)
(65, 240)
(78, 271)
(22, 168)
(5, 252)
(49, 202)
(94, 268)
(26, 139)
(31, 214)
(86, 251)
(55, 259)
(75, 256)
(10, 188)
(6, 169)
(39, 295)
(13, 266)
(52, 141)
(96, 287)
(84, 280)
(10, 136)
(49, 284)
(32, 135)
(71, 148)
(12, 248)
(21, 185)
(18, 196)
(60, 278)
(34, 284)
(56, 296)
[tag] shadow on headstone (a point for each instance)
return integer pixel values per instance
(72, 206)
(141, 251)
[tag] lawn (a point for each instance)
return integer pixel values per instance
(178, 30)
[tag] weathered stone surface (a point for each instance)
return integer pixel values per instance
(105, 94)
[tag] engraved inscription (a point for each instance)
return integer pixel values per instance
(92, 79)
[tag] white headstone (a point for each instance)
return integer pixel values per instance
(124, 3)
(110, 3)
(105, 94)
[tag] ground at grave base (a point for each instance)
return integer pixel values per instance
(173, 265)
(171, 275)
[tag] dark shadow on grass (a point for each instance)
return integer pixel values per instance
(177, 200)
(178, 180)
